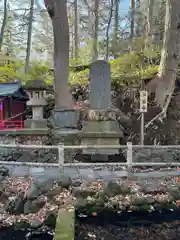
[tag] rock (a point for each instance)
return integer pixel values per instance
(82, 193)
(41, 153)
(154, 189)
(4, 171)
(50, 220)
(164, 155)
(1, 178)
(168, 156)
(26, 156)
(27, 207)
(76, 183)
(16, 205)
(65, 181)
(174, 192)
(156, 159)
(33, 206)
(33, 191)
(35, 224)
(4, 196)
(156, 155)
(142, 155)
(6, 153)
(39, 186)
(52, 193)
(21, 224)
(113, 189)
(45, 159)
(10, 158)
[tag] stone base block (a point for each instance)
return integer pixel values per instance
(100, 141)
(105, 133)
(65, 118)
(101, 126)
(33, 123)
(68, 138)
(98, 158)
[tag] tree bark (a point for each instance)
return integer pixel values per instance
(57, 10)
(116, 29)
(76, 50)
(149, 24)
(164, 83)
(4, 24)
(29, 38)
(96, 28)
(132, 5)
(108, 28)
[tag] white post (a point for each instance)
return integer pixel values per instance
(143, 109)
(61, 159)
(142, 129)
(129, 159)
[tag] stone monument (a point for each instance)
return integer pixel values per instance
(35, 89)
(100, 126)
(63, 125)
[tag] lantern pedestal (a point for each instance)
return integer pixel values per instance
(35, 123)
(35, 90)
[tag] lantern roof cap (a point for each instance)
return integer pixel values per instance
(36, 85)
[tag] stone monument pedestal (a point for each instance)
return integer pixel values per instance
(101, 128)
(65, 118)
(64, 129)
(101, 133)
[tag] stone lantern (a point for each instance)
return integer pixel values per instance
(35, 90)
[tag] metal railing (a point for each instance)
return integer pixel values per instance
(60, 166)
(61, 148)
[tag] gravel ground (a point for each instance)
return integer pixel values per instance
(170, 231)
(153, 189)
(11, 187)
(58, 195)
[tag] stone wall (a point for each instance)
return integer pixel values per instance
(27, 137)
(156, 155)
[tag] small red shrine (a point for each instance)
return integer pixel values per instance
(12, 105)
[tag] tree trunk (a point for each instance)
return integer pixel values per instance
(132, 5)
(140, 19)
(108, 28)
(116, 29)
(76, 29)
(57, 10)
(29, 38)
(96, 28)
(164, 83)
(90, 23)
(149, 24)
(4, 23)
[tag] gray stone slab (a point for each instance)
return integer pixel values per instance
(72, 172)
(104, 174)
(121, 173)
(100, 85)
(157, 174)
(87, 174)
(20, 171)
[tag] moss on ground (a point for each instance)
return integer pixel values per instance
(120, 197)
(65, 225)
